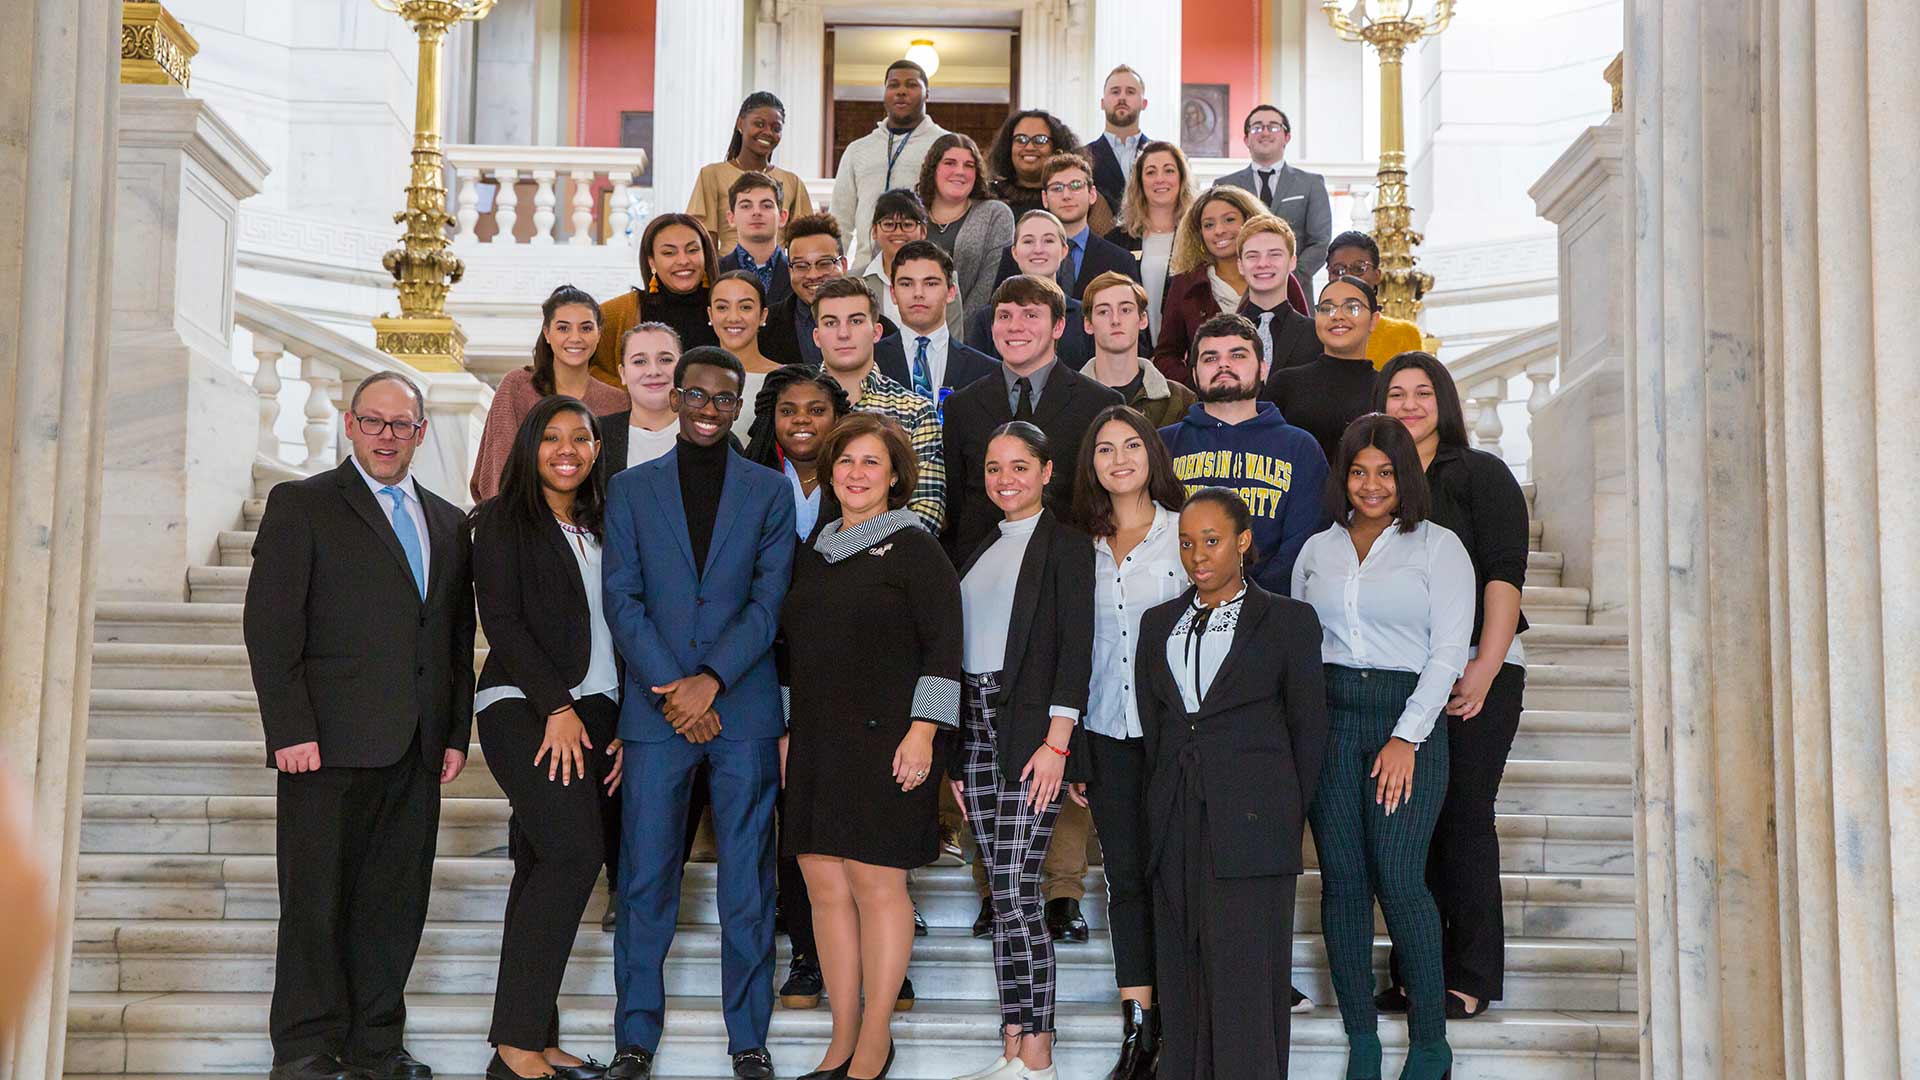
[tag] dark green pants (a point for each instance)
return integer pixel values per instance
(1367, 855)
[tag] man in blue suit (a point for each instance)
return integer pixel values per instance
(699, 547)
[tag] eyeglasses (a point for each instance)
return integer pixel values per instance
(817, 266)
(1352, 269)
(897, 225)
(1033, 140)
(1352, 309)
(1274, 128)
(695, 398)
(374, 426)
(1062, 187)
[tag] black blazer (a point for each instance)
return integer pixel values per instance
(1049, 659)
(1102, 255)
(782, 276)
(1108, 177)
(533, 607)
(613, 449)
(965, 365)
(780, 338)
(1295, 341)
(1074, 348)
(1066, 409)
(1257, 740)
(343, 649)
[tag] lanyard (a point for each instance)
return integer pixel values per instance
(893, 154)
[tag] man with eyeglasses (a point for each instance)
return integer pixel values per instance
(359, 626)
(1294, 194)
(1066, 186)
(815, 256)
(887, 157)
(1354, 254)
(698, 551)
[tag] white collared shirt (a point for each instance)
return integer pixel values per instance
(1408, 607)
(986, 602)
(937, 340)
(603, 670)
(1124, 148)
(414, 508)
(1123, 591)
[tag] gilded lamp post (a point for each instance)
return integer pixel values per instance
(423, 270)
(1390, 26)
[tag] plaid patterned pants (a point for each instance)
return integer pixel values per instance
(1013, 840)
(1366, 854)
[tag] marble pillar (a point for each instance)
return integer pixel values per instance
(790, 40)
(1145, 36)
(1772, 212)
(698, 83)
(59, 85)
(177, 410)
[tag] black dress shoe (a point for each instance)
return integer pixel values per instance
(1139, 1042)
(394, 1064)
(983, 923)
(315, 1067)
(586, 1070)
(828, 1074)
(754, 1064)
(1457, 1009)
(1064, 921)
(919, 922)
(611, 917)
(903, 1001)
(803, 985)
(631, 1063)
(884, 1069)
(498, 1069)
(1392, 1000)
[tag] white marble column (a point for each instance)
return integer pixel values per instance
(790, 39)
(59, 82)
(1055, 54)
(1145, 36)
(181, 422)
(1770, 370)
(698, 83)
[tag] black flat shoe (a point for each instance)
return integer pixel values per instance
(395, 1064)
(586, 1070)
(498, 1069)
(828, 1074)
(919, 922)
(903, 1001)
(1064, 921)
(754, 1064)
(983, 922)
(1392, 1000)
(1457, 1009)
(631, 1063)
(884, 1069)
(314, 1067)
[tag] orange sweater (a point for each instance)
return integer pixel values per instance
(1391, 337)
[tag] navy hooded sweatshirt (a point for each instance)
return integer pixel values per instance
(1277, 468)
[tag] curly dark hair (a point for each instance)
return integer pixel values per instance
(1000, 158)
(762, 449)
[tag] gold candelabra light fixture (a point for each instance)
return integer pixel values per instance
(422, 268)
(1390, 26)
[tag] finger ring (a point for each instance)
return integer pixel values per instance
(922, 774)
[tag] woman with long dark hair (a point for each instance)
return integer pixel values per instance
(1394, 592)
(1235, 718)
(563, 355)
(1027, 606)
(1126, 496)
(1020, 148)
(548, 706)
(737, 311)
(964, 219)
(678, 267)
(756, 135)
(1475, 496)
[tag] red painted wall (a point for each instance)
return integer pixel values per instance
(616, 66)
(1220, 43)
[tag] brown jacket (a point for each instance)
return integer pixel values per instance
(1161, 401)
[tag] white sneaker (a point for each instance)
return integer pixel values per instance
(994, 1070)
(1048, 1073)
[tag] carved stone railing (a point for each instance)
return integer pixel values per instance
(1518, 370)
(581, 196)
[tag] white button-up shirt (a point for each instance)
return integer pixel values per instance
(1123, 591)
(1408, 607)
(415, 510)
(937, 340)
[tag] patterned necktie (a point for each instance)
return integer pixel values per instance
(409, 536)
(1266, 186)
(922, 377)
(1023, 409)
(1266, 336)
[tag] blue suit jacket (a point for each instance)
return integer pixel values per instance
(669, 619)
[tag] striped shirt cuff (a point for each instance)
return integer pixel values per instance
(936, 699)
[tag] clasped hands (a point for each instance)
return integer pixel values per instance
(687, 703)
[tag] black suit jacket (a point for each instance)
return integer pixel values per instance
(1049, 658)
(780, 338)
(1108, 177)
(1066, 408)
(1257, 740)
(1102, 255)
(613, 447)
(343, 649)
(1295, 341)
(533, 607)
(782, 276)
(964, 365)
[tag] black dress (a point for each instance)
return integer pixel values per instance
(873, 643)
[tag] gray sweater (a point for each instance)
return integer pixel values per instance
(983, 235)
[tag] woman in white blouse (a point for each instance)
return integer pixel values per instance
(1395, 596)
(1126, 496)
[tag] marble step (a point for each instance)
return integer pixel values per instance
(244, 825)
(1544, 604)
(193, 767)
(464, 958)
(235, 547)
(139, 622)
(217, 584)
(123, 666)
(1578, 687)
(1588, 646)
(1544, 567)
(1574, 735)
(1536, 531)
(135, 1033)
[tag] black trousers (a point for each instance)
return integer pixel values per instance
(1463, 863)
(557, 843)
(354, 850)
(1117, 795)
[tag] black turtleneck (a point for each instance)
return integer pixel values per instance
(685, 312)
(703, 469)
(1323, 397)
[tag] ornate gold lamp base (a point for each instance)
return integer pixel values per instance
(428, 342)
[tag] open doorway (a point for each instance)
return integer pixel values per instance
(972, 84)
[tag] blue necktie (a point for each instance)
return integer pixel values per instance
(922, 378)
(409, 537)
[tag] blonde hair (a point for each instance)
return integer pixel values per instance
(1189, 249)
(1046, 215)
(1134, 216)
(1265, 223)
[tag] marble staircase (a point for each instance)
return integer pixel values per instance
(176, 904)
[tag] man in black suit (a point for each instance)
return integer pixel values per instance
(936, 365)
(1122, 100)
(816, 254)
(1066, 187)
(359, 626)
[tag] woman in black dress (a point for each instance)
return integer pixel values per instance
(872, 625)
(1234, 709)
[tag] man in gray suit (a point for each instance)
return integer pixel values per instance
(1299, 197)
